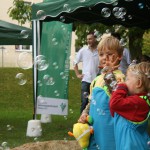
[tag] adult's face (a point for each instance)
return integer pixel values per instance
(91, 40)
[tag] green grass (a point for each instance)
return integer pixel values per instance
(16, 109)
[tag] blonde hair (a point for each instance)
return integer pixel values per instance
(142, 70)
(110, 42)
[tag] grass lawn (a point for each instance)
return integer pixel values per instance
(16, 109)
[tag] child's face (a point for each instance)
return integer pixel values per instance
(131, 82)
(107, 57)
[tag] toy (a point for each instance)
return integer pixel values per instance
(82, 133)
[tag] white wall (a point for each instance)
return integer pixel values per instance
(9, 56)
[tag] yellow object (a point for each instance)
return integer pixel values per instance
(82, 133)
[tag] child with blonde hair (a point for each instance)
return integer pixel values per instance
(130, 107)
(110, 53)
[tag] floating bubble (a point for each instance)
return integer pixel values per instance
(41, 63)
(116, 12)
(117, 27)
(4, 144)
(48, 80)
(134, 62)
(97, 147)
(65, 140)
(25, 60)
(9, 127)
(39, 83)
(41, 15)
(54, 41)
(106, 69)
(36, 139)
(106, 12)
(56, 93)
(123, 41)
(21, 78)
(82, 1)
(24, 34)
(73, 78)
(100, 111)
(85, 94)
(123, 11)
(65, 117)
(148, 144)
(66, 7)
(62, 74)
(129, 17)
(107, 31)
(71, 111)
(62, 18)
(93, 102)
(40, 99)
(115, 3)
(98, 35)
(140, 5)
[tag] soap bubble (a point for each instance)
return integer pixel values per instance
(85, 94)
(62, 18)
(148, 144)
(106, 12)
(123, 41)
(48, 80)
(140, 5)
(21, 78)
(24, 34)
(54, 41)
(25, 60)
(82, 1)
(41, 15)
(66, 7)
(41, 63)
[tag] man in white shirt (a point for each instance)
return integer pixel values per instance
(90, 62)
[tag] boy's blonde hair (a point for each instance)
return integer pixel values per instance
(111, 43)
(142, 70)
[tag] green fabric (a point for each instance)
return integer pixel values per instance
(89, 11)
(55, 46)
(10, 34)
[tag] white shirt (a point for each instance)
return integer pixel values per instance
(90, 63)
(125, 61)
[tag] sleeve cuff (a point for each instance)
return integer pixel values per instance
(122, 87)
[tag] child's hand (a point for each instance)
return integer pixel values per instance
(113, 61)
(83, 118)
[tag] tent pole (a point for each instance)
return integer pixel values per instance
(34, 67)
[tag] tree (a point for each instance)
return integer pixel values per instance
(146, 43)
(20, 11)
(132, 37)
(136, 42)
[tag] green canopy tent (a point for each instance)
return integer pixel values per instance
(52, 22)
(128, 13)
(11, 34)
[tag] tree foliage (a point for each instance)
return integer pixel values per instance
(146, 43)
(132, 37)
(20, 11)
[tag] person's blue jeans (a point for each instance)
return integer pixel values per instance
(85, 90)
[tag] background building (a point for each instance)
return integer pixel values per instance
(11, 55)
